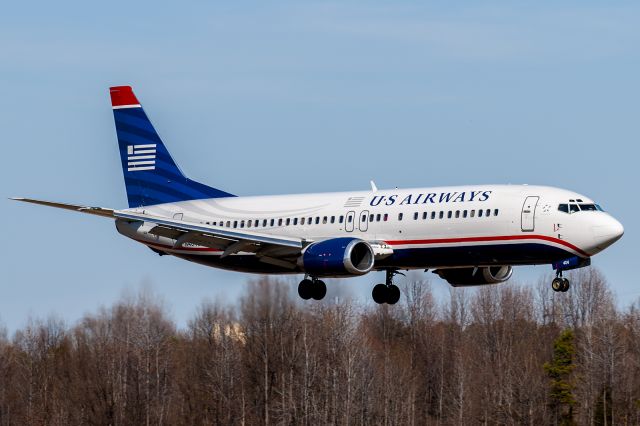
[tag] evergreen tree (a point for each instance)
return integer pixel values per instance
(559, 370)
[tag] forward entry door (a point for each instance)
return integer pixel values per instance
(529, 213)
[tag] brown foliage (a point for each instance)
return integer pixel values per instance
(272, 359)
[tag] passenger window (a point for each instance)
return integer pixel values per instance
(386, 217)
(433, 215)
(441, 215)
(424, 215)
(317, 220)
(457, 214)
(495, 212)
(415, 216)
(264, 223)
(449, 214)
(400, 216)
(302, 221)
(488, 213)
(273, 222)
(324, 220)
(378, 217)
(371, 217)
(235, 223)
(249, 224)
(480, 213)
(288, 221)
(341, 219)
(295, 221)
(464, 214)
(473, 213)
(280, 222)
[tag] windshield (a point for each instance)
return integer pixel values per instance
(575, 207)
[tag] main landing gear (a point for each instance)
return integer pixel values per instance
(559, 283)
(312, 288)
(388, 292)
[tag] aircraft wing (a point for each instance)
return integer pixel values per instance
(98, 211)
(277, 250)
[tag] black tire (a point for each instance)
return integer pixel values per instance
(379, 294)
(319, 289)
(557, 284)
(305, 289)
(565, 285)
(393, 294)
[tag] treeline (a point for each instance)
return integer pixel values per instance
(507, 354)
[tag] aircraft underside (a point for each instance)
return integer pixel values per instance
(413, 258)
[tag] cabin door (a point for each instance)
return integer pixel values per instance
(528, 213)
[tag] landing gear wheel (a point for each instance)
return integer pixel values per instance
(305, 289)
(393, 294)
(319, 290)
(557, 284)
(379, 294)
(565, 285)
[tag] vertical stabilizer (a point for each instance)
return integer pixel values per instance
(150, 174)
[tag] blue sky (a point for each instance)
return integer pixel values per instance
(282, 97)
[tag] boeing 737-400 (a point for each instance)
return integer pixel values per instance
(468, 235)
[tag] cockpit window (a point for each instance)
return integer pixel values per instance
(573, 208)
(588, 207)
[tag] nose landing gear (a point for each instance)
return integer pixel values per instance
(559, 283)
(388, 292)
(312, 288)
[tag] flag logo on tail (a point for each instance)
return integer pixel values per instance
(141, 157)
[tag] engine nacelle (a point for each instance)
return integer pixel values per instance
(337, 257)
(461, 277)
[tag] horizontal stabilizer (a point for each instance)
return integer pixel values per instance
(98, 211)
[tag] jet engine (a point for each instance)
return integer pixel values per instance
(462, 277)
(337, 257)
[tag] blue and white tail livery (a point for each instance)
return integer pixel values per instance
(468, 235)
(150, 174)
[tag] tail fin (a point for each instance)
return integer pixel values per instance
(150, 174)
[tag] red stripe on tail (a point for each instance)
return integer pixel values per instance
(122, 95)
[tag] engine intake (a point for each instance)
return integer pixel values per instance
(461, 277)
(337, 257)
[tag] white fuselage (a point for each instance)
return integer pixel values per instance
(480, 225)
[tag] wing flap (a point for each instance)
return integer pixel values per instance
(229, 240)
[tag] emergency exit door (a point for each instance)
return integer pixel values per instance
(348, 226)
(529, 213)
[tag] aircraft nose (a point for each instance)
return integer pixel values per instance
(607, 232)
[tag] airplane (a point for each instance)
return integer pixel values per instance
(468, 235)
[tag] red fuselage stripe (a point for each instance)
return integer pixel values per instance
(419, 242)
(487, 239)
